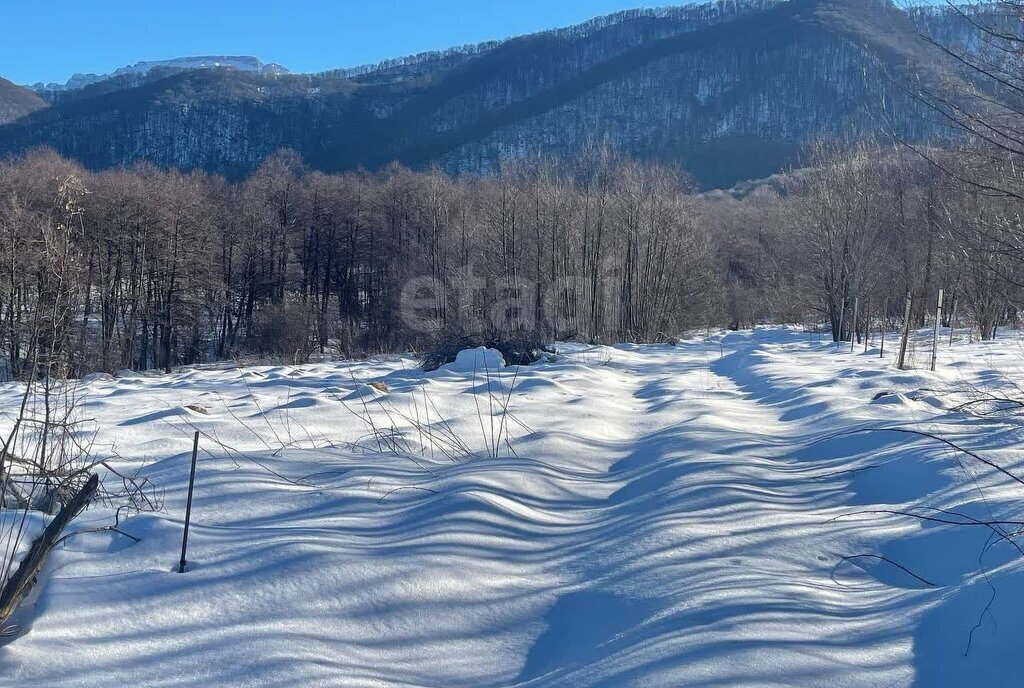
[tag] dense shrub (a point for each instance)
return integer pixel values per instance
(519, 348)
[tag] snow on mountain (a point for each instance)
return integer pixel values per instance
(242, 63)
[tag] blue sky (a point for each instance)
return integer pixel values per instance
(49, 40)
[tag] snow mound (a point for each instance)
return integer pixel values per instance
(364, 392)
(96, 377)
(892, 399)
(479, 360)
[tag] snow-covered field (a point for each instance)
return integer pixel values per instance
(670, 516)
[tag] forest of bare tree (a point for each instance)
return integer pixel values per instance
(144, 268)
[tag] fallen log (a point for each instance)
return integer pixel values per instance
(21, 582)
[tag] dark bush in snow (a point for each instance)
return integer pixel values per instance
(282, 331)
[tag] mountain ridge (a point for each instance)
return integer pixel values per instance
(143, 68)
(732, 90)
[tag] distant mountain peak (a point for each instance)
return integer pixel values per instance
(243, 63)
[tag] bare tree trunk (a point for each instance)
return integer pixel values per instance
(902, 360)
(20, 583)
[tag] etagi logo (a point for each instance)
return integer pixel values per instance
(509, 303)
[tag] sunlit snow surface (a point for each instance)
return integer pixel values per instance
(670, 516)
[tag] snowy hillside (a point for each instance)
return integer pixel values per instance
(638, 515)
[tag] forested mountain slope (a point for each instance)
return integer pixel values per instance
(733, 90)
(16, 101)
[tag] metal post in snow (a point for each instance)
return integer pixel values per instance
(935, 337)
(188, 504)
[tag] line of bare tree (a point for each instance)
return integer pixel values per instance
(166, 268)
(159, 268)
